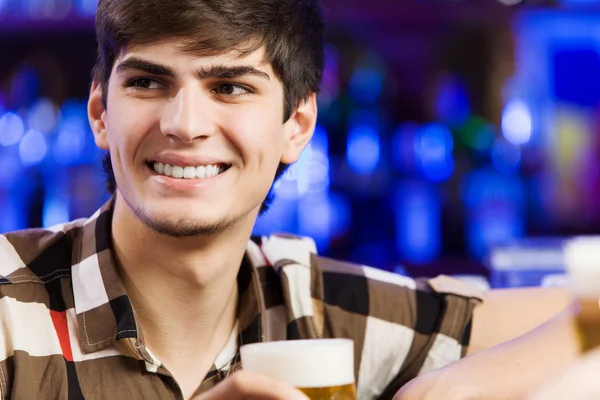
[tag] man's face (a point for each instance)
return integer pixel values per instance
(195, 141)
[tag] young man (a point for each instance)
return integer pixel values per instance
(201, 105)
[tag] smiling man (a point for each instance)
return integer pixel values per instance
(201, 105)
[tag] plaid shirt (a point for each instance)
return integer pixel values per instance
(69, 330)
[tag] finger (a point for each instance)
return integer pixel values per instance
(248, 385)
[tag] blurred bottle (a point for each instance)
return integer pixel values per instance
(527, 262)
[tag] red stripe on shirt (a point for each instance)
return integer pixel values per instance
(59, 319)
(262, 252)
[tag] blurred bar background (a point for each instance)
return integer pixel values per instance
(455, 136)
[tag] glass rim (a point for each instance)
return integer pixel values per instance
(326, 342)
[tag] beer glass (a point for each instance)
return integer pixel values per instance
(582, 263)
(321, 368)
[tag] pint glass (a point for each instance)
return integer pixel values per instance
(321, 368)
(582, 263)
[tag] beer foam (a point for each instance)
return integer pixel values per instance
(303, 363)
(582, 263)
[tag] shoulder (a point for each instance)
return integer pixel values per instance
(344, 293)
(37, 255)
(34, 264)
(283, 250)
(297, 258)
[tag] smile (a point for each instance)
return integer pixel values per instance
(189, 172)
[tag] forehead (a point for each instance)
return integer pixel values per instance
(176, 54)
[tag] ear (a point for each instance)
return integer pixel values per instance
(302, 126)
(97, 115)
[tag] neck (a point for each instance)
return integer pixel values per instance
(183, 290)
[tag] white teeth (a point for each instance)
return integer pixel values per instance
(177, 172)
(187, 172)
(212, 170)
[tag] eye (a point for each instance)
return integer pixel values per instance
(143, 83)
(231, 89)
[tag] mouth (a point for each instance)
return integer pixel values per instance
(188, 171)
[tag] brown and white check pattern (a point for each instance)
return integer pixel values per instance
(68, 330)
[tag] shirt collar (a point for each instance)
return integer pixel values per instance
(105, 316)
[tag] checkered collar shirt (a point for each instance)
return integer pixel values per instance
(69, 330)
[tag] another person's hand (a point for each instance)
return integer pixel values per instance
(580, 381)
(248, 385)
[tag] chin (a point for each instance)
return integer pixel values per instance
(182, 231)
(183, 226)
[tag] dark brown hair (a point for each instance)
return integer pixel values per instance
(291, 31)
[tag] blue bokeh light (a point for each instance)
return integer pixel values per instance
(314, 219)
(363, 149)
(11, 129)
(433, 145)
(56, 211)
(403, 148)
(340, 213)
(10, 167)
(70, 143)
(13, 213)
(323, 216)
(280, 217)
(418, 222)
(506, 157)
(75, 126)
(301, 171)
(452, 102)
(33, 147)
(43, 116)
(517, 123)
(495, 209)
(318, 164)
(310, 174)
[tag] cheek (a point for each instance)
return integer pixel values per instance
(126, 134)
(257, 135)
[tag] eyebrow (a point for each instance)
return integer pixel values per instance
(230, 72)
(214, 71)
(138, 64)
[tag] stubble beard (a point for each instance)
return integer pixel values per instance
(182, 227)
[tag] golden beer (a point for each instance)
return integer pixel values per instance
(588, 325)
(582, 263)
(345, 392)
(321, 368)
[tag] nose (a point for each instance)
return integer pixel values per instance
(187, 117)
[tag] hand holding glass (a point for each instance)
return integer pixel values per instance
(321, 368)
